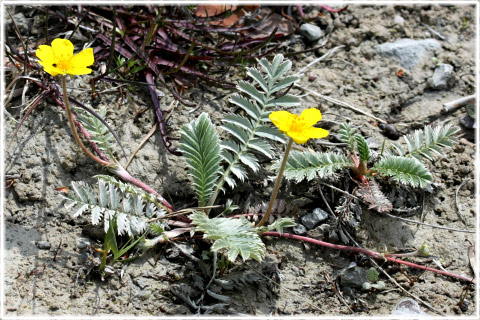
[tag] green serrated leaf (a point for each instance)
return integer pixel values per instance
(239, 171)
(270, 133)
(278, 225)
(257, 76)
(250, 131)
(284, 83)
(249, 107)
(157, 229)
(266, 66)
(99, 133)
(284, 101)
(427, 142)
(110, 201)
(308, 165)
(282, 69)
(200, 145)
(362, 147)
(249, 160)
(251, 91)
(409, 171)
(346, 134)
(277, 60)
(239, 121)
(237, 132)
(262, 147)
(230, 145)
(237, 236)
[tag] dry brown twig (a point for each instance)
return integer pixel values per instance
(452, 105)
(336, 291)
(341, 103)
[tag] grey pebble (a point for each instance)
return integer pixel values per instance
(43, 245)
(299, 229)
(311, 32)
(82, 243)
(353, 277)
(408, 51)
(143, 295)
(468, 122)
(313, 218)
(443, 77)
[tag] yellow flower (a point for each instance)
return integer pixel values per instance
(59, 59)
(299, 128)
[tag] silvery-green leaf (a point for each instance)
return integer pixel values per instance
(123, 224)
(237, 236)
(257, 76)
(80, 210)
(97, 213)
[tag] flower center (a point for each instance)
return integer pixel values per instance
(297, 124)
(60, 64)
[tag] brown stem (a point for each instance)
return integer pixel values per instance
(277, 184)
(372, 254)
(72, 125)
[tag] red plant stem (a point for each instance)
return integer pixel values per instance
(117, 169)
(83, 131)
(372, 254)
(78, 124)
(72, 125)
(122, 173)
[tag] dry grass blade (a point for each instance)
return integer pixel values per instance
(33, 105)
(341, 103)
(145, 139)
(19, 35)
(471, 258)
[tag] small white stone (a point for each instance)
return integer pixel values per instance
(311, 32)
(398, 20)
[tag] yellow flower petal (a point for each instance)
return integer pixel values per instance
(83, 59)
(298, 136)
(78, 71)
(45, 54)
(316, 133)
(309, 117)
(50, 69)
(63, 49)
(282, 119)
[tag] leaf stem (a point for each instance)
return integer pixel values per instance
(277, 184)
(72, 125)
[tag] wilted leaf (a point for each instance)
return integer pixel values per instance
(211, 10)
(62, 189)
(269, 23)
(370, 193)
